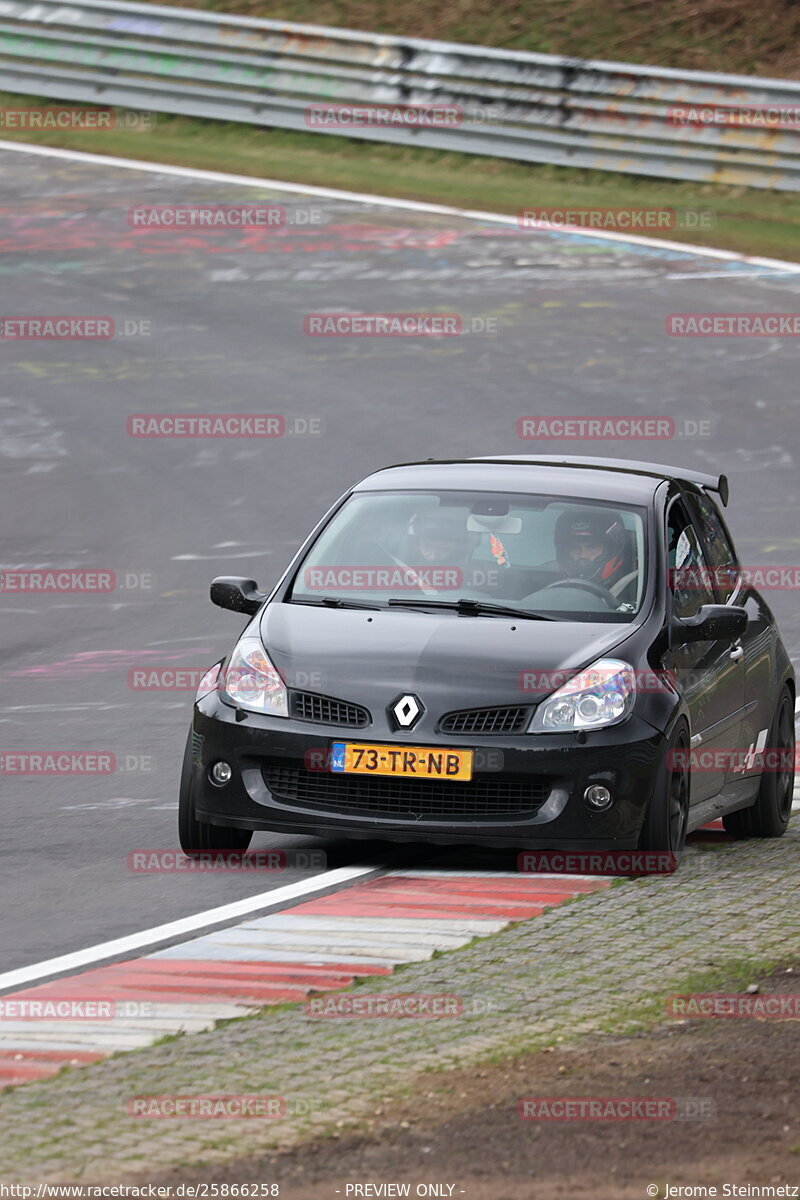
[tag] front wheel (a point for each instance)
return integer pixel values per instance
(195, 836)
(769, 816)
(667, 817)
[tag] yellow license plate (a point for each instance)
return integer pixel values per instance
(421, 762)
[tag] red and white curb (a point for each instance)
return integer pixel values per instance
(315, 945)
(318, 945)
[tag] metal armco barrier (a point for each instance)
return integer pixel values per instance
(517, 105)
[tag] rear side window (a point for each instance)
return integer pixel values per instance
(721, 555)
(689, 576)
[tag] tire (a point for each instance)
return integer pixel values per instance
(198, 836)
(769, 816)
(667, 816)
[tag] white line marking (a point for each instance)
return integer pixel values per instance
(135, 164)
(692, 275)
(81, 959)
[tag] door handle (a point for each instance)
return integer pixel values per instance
(736, 653)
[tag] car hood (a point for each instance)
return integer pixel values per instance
(449, 661)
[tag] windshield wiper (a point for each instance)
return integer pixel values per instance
(471, 608)
(337, 602)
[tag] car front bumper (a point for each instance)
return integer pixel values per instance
(557, 767)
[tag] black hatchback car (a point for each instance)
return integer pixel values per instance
(531, 652)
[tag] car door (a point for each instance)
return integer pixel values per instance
(756, 644)
(710, 674)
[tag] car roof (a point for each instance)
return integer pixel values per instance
(617, 480)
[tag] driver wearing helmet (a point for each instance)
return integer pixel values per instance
(590, 545)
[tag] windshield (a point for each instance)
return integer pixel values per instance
(573, 559)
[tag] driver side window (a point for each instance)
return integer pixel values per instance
(689, 577)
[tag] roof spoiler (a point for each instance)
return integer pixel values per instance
(709, 483)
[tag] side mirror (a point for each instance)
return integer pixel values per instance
(239, 595)
(712, 623)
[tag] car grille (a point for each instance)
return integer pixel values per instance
(407, 799)
(323, 710)
(485, 720)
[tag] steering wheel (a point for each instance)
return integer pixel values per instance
(587, 586)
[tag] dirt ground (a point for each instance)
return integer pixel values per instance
(461, 1129)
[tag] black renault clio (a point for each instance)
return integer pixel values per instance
(533, 652)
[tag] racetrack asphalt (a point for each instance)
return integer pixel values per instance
(575, 327)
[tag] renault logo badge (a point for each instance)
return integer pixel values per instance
(407, 710)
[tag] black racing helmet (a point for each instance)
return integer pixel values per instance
(591, 526)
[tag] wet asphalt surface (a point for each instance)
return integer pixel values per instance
(554, 325)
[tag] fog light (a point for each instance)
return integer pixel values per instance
(221, 772)
(597, 797)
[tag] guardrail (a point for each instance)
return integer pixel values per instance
(515, 104)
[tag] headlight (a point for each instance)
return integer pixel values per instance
(603, 694)
(253, 682)
(209, 682)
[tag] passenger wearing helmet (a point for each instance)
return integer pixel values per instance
(590, 545)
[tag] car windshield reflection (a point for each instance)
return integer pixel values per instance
(562, 558)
